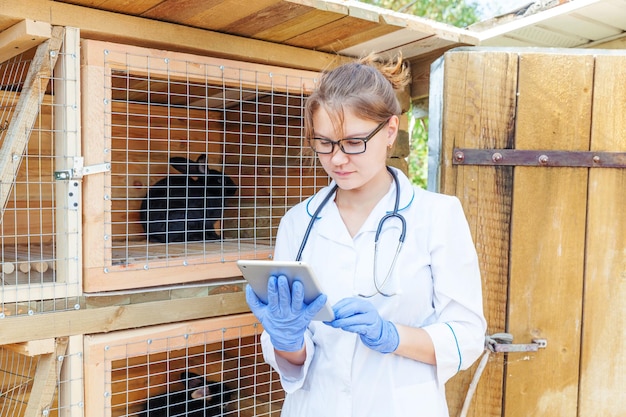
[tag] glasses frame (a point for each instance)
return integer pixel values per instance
(340, 144)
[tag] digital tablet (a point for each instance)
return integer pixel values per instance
(257, 272)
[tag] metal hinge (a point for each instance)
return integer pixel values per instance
(79, 170)
(538, 158)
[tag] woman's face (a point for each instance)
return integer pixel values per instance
(353, 172)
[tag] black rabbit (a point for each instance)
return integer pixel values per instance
(198, 398)
(185, 207)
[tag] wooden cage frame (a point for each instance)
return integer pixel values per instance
(102, 351)
(99, 273)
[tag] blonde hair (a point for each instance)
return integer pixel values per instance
(366, 86)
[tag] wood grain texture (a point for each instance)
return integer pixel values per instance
(603, 363)
(548, 236)
(480, 107)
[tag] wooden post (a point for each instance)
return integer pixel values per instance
(67, 145)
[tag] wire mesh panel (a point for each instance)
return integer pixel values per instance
(40, 378)
(206, 156)
(17, 372)
(211, 367)
(39, 96)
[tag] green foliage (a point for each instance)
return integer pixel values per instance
(418, 156)
(460, 13)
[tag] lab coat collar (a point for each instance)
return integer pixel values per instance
(407, 195)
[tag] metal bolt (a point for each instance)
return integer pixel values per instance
(497, 157)
(543, 159)
(459, 156)
(596, 159)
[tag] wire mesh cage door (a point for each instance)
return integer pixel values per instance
(159, 370)
(206, 156)
(40, 134)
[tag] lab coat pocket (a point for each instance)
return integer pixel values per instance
(421, 400)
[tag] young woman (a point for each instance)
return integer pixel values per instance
(396, 262)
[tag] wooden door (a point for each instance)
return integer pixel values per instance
(533, 142)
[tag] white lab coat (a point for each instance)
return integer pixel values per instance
(437, 285)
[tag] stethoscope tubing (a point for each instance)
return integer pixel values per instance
(393, 214)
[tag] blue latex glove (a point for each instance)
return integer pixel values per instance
(357, 315)
(286, 316)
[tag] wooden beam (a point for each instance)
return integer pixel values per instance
(32, 348)
(115, 27)
(27, 109)
(21, 37)
(45, 381)
(106, 319)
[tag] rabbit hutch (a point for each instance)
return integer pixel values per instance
(118, 117)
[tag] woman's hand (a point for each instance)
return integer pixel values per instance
(360, 316)
(286, 316)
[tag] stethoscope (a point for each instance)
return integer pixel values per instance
(394, 214)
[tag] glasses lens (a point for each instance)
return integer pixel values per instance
(322, 145)
(352, 146)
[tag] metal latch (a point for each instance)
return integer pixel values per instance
(79, 171)
(503, 342)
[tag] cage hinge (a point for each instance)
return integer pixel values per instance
(79, 170)
(538, 158)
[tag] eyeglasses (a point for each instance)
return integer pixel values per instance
(349, 146)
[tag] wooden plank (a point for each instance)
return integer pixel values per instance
(312, 19)
(45, 381)
(168, 271)
(453, 117)
(98, 24)
(603, 364)
(547, 236)
(23, 36)
(293, 20)
(23, 120)
(485, 106)
(106, 319)
(33, 347)
(96, 142)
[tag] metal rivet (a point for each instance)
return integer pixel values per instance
(459, 156)
(543, 159)
(596, 159)
(497, 157)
